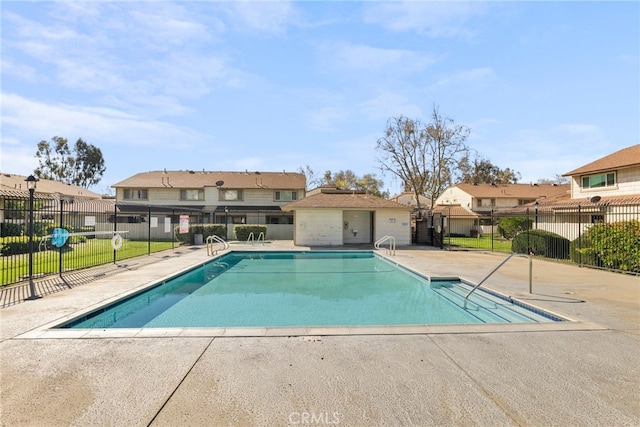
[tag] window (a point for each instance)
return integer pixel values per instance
(280, 219)
(285, 196)
(486, 203)
(525, 201)
(192, 194)
(599, 181)
(135, 194)
(230, 194)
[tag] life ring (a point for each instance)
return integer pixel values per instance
(116, 242)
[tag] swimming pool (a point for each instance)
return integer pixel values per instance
(306, 288)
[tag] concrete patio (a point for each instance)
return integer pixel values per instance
(584, 372)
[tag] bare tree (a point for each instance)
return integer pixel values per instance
(422, 156)
(311, 177)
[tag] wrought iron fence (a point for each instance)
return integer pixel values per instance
(596, 235)
(70, 234)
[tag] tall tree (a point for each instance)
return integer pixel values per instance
(83, 167)
(348, 180)
(423, 157)
(481, 171)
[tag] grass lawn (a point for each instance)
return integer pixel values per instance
(92, 253)
(484, 242)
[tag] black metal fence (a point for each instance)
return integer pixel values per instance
(68, 234)
(601, 236)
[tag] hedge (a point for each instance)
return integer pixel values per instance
(9, 229)
(205, 229)
(243, 231)
(613, 245)
(509, 227)
(541, 242)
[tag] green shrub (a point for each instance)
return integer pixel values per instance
(509, 227)
(541, 242)
(243, 231)
(616, 245)
(16, 247)
(580, 252)
(205, 229)
(10, 229)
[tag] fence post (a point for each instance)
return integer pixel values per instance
(115, 227)
(60, 252)
(149, 232)
(528, 234)
(579, 236)
(492, 228)
(173, 229)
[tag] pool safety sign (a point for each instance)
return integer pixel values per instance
(184, 224)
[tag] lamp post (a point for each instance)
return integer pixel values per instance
(31, 186)
(226, 223)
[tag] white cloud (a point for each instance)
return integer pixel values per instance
(270, 17)
(474, 76)
(388, 104)
(360, 57)
(434, 19)
(326, 118)
(36, 120)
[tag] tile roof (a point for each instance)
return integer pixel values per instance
(620, 159)
(344, 200)
(15, 185)
(520, 191)
(453, 210)
(566, 202)
(199, 179)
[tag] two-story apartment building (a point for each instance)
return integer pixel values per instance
(468, 207)
(216, 197)
(605, 190)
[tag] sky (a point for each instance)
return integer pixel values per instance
(544, 87)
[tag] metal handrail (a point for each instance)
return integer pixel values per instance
(215, 239)
(392, 244)
(496, 269)
(251, 239)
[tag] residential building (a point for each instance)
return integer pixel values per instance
(468, 207)
(49, 196)
(15, 185)
(408, 198)
(329, 216)
(231, 198)
(605, 190)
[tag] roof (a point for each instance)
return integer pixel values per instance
(229, 180)
(565, 201)
(519, 191)
(341, 200)
(15, 185)
(409, 199)
(626, 157)
(453, 210)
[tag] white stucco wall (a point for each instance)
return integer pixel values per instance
(359, 221)
(393, 222)
(318, 227)
(627, 183)
(325, 227)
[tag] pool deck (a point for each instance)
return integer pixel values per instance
(584, 372)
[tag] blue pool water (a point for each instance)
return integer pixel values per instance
(305, 289)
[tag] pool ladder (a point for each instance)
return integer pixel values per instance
(211, 240)
(392, 244)
(496, 269)
(251, 239)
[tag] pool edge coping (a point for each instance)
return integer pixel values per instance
(51, 329)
